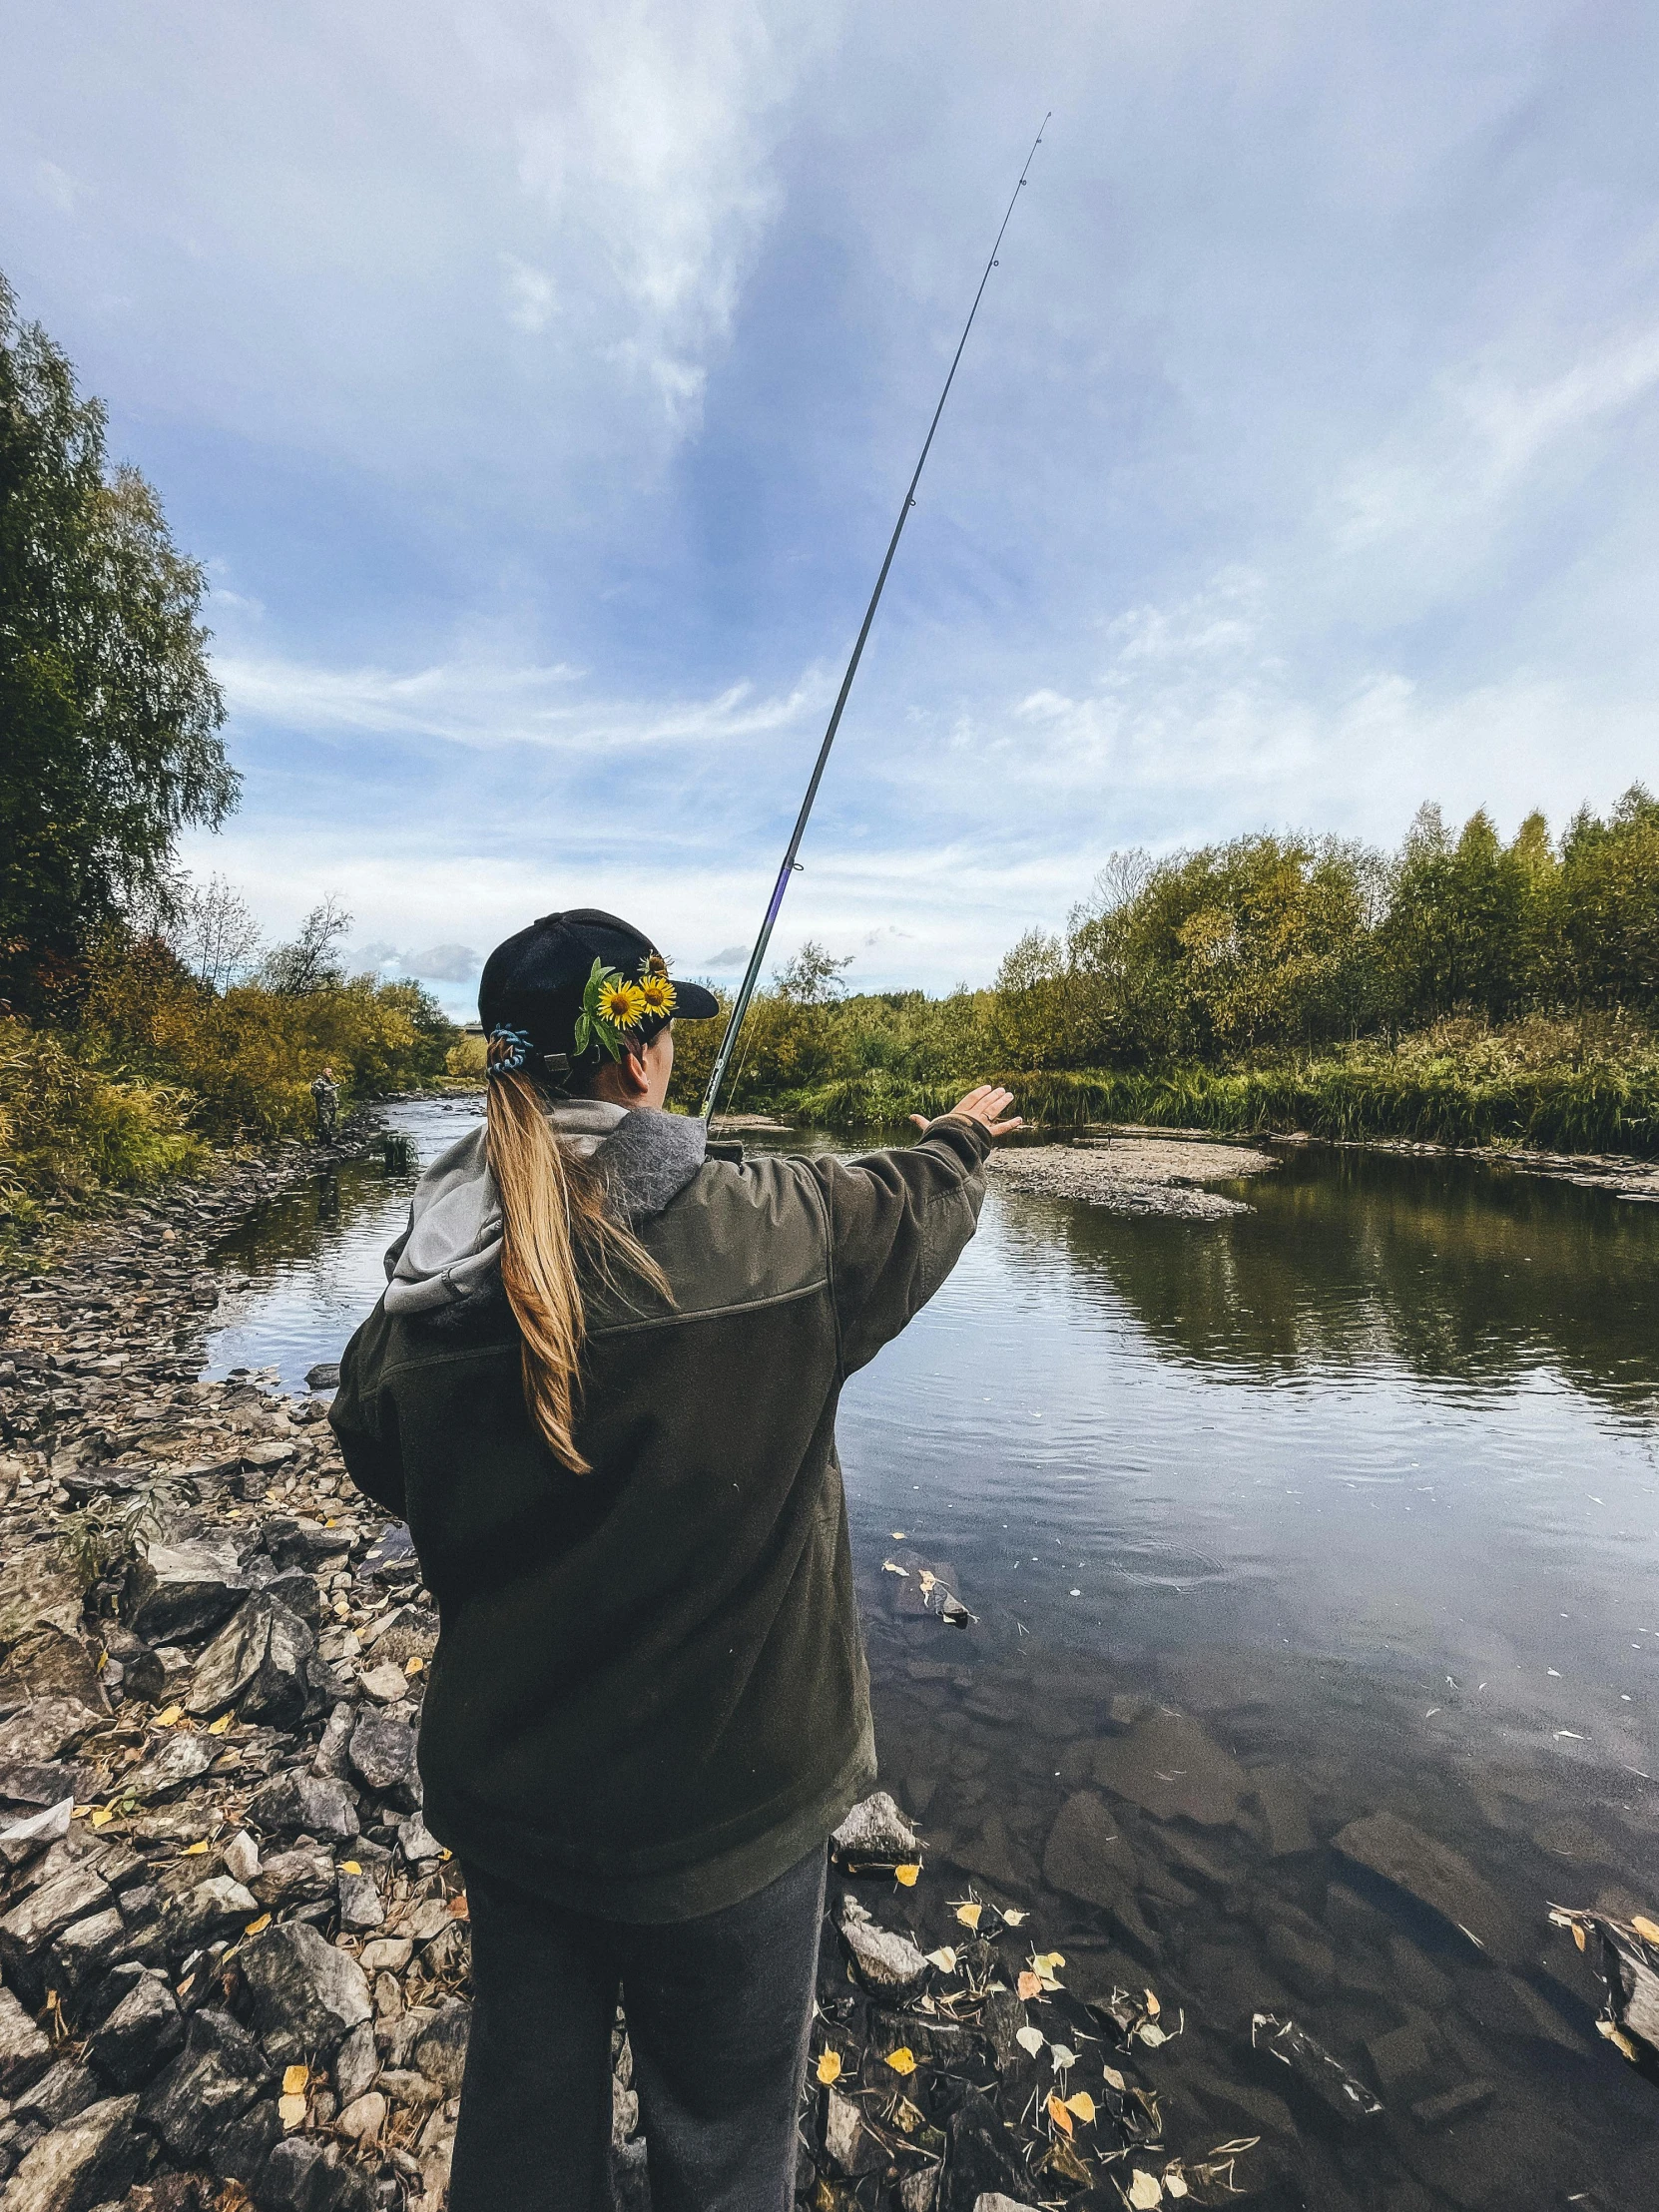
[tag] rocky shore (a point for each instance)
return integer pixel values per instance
(1135, 1174)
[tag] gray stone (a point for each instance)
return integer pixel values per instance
(441, 2050)
(241, 1857)
(1453, 2104)
(330, 1757)
(295, 1803)
(417, 1840)
(324, 1376)
(50, 1663)
(386, 1684)
(47, 1911)
(211, 2081)
(304, 1876)
(1086, 1857)
(143, 2030)
(304, 1542)
(216, 1907)
(303, 2175)
(383, 1751)
(62, 2092)
(24, 1838)
(306, 1994)
(886, 1964)
(183, 1759)
(1170, 1767)
(360, 1908)
(356, 2064)
(25, 2052)
(184, 1589)
(876, 1829)
(993, 2200)
(361, 2120)
(44, 1729)
(87, 1948)
(1306, 1962)
(143, 1676)
(1284, 1813)
(240, 2150)
(849, 2147)
(1437, 1876)
(1405, 2059)
(258, 1664)
(91, 2161)
(985, 2155)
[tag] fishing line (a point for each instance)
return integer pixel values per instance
(740, 1005)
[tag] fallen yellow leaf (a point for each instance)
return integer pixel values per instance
(898, 1536)
(1647, 1930)
(415, 1663)
(968, 1915)
(170, 1718)
(944, 1958)
(349, 1866)
(102, 1817)
(906, 1874)
(1083, 2105)
(1145, 2190)
(1029, 1986)
(1045, 1961)
(218, 1727)
(892, 1566)
(1059, 2115)
(1013, 1919)
(1152, 2006)
(1175, 2182)
(903, 2060)
(828, 2066)
(290, 2111)
(1114, 2080)
(1577, 1929)
(294, 2079)
(254, 1926)
(927, 1579)
(195, 1851)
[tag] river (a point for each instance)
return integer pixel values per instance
(1364, 1482)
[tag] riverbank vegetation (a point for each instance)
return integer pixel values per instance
(142, 1021)
(1458, 990)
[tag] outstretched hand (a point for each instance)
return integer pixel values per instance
(983, 1106)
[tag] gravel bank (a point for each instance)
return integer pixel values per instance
(1135, 1174)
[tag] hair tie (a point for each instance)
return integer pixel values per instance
(506, 1053)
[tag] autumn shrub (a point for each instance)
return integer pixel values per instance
(67, 1129)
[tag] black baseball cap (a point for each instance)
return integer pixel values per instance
(535, 980)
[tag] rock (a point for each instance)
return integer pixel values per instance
(440, 2050)
(303, 2175)
(417, 1840)
(143, 2029)
(1170, 1767)
(241, 1856)
(886, 1964)
(1405, 2059)
(1085, 1855)
(1453, 2104)
(306, 1995)
(1308, 1963)
(356, 2062)
(300, 1876)
(257, 1663)
(359, 1902)
(34, 1592)
(143, 1675)
(294, 1803)
(180, 1760)
(44, 1729)
(304, 1543)
(984, 2156)
(45, 1912)
(90, 2162)
(1284, 1813)
(361, 2120)
(1296, 2057)
(25, 2052)
(330, 1757)
(994, 2201)
(919, 2189)
(20, 1839)
(60, 2094)
(86, 1949)
(324, 1376)
(183, 1589)
(50, 1663)
(850, 2149)
(213, 2079)
(386, 1684)
(216, 1907)
(387, 1955)
(876, 1829)
(383, 1751)
(240, 2151)
(1437, 1876)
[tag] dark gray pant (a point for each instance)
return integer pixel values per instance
(720, 2012)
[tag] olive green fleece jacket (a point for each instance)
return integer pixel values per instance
(650, 1695)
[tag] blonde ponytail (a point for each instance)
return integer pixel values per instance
(555, 1225)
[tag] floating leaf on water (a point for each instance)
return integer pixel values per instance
(1062, 2057)
(944, 1958)
(903, 2060)
(828, 2066)
(1045, 1961)
(1577, 1926)
(1059, 2115)
(1151, 2035)
(898, 1536)
(1031, 2039)
(907, 1875)
(892, 1566)
(1114, 2080)
(1235, 2146)
(1029, 1986)
(1145, 2190)
(1082, 2104)
(969, 1914)
(926, 1577)
(1013, 1919)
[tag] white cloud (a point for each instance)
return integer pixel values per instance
(530, 295)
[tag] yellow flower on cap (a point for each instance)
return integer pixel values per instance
(621, 1005)
(658, 994)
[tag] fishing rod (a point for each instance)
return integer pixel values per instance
(752, 973)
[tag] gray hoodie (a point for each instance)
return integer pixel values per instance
(452, 1246)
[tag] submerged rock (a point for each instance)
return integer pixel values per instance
(1437, 1876)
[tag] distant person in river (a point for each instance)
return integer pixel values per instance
(601, 1386)
(326, 1098)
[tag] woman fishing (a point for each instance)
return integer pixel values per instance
(601, 1386)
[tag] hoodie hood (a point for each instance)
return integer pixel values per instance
(452, 1246)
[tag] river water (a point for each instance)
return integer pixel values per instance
(1351, 1503)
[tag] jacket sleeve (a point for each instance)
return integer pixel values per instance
(899, 1223)
(365, 1419)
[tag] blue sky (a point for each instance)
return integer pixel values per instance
(538, 383)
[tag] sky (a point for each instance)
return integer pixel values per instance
(538, 383)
